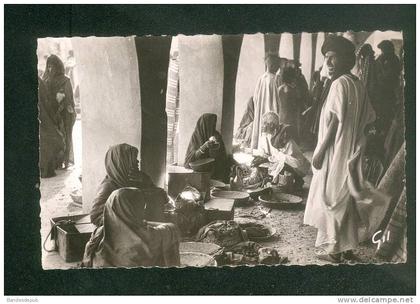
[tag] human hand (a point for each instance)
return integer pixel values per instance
(204, 147)
(317, 160)
(258, 160)
(60, 96)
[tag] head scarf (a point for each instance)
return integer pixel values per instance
(344, 49)
(288, 75)
(365, 65)
(120, 162)
(204, 129)
(387, 47)
(127, 240)
(54, 81)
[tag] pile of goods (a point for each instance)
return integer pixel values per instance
(245, 177)
(255, 230)
(222, 233)
(237, 250)
(189, 210)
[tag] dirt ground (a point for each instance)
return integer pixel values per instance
(56, 201)
(292, 239)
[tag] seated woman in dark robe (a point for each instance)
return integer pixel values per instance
(126, 239)
(122, 168)
(206, 142)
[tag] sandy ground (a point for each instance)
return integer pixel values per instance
(292, 238)
(56, 201)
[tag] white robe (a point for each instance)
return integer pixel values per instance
(330, 206)
(266, 99)
(290, 154)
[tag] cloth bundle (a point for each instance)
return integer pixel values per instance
(222, 233)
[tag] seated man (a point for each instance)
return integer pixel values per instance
(280, 151)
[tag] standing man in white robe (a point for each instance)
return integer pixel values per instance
(266, 96)
(331, 208)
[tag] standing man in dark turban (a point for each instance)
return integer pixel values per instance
(331, 204)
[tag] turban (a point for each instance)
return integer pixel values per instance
(344, 49)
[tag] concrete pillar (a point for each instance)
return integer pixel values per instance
(110, 99)
(250, 68)
(201, 84)
(231, 51)
(296, 46)
(272, 43)
(153, 62)
(313, 56)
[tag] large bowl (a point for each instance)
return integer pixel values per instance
(238, 196)
(255, 193)
(202, 165)
(219, 185)
(280, 200)
(196, 259)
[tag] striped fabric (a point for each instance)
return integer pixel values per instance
(395, 248)
(172, 110)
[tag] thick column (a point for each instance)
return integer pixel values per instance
(153, 59)
(110, 99)
(272, 43)
(313, 57)
(231, 51)
(296, 46)
(201, 84)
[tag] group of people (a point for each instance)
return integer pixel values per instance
(282, 89)
(344, 108)
(353, 118)
(57, 116)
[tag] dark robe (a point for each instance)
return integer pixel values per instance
(51, 140)
(204, 129)
(321, 93)
(395, 136)
(290, 107)
(127, 239)
(244, 131)
(121, 166)
(65, 111)
(388, 69)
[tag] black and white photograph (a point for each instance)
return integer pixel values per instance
(214, 150)
(170, 150)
